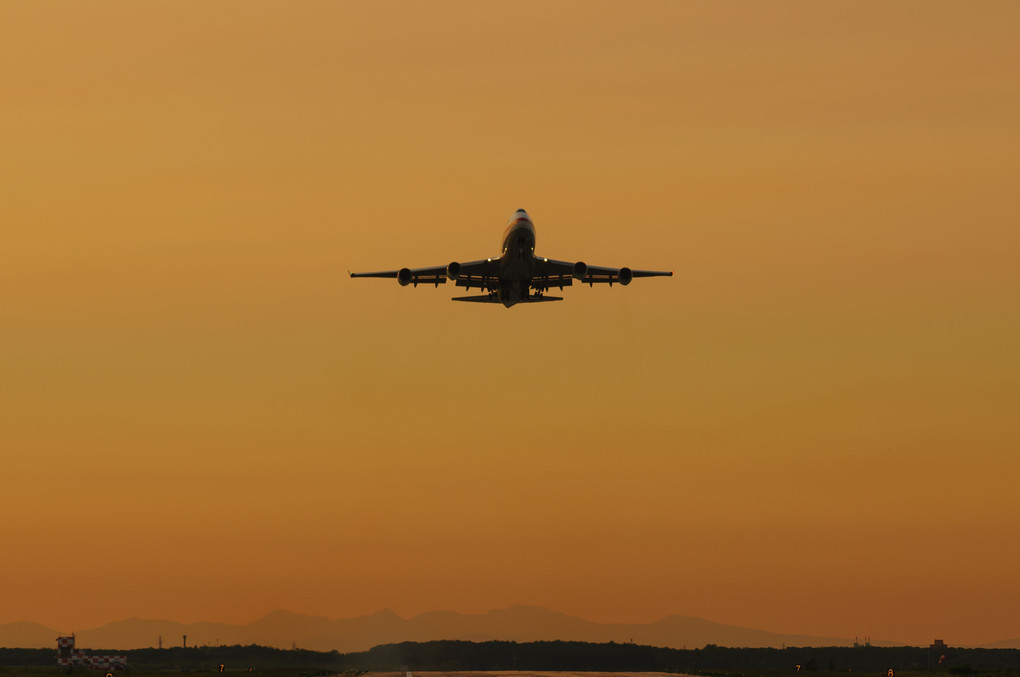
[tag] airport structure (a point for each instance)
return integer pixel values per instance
(69, 657)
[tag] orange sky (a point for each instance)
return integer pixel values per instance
(813, 427)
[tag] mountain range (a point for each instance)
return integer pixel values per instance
(517, 623)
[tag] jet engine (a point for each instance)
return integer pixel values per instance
(453, 270)
(626, 275)
(404, 276)
(580, 270)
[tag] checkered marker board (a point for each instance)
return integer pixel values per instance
(65, 651)
(69, 656)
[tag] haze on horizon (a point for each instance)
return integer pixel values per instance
(283, 629)
(812, 428)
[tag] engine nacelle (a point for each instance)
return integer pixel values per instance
(453, 270)
(580, 271)
(404, 276)
(626, 275)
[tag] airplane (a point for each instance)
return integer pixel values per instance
(517, 275)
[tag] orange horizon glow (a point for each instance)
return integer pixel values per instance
(810, 428)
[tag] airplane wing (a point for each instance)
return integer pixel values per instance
(479, 274)
(483, 274)
(552, 273)
(435, 275)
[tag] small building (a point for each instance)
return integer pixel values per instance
(68, 656)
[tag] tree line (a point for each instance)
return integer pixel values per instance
(450, 655)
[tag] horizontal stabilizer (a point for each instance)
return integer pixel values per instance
(495, 299)
(477, 299)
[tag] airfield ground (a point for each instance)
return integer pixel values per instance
(54, 671)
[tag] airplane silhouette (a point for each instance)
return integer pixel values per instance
(517, 275)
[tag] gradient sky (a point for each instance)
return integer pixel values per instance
(813, 427)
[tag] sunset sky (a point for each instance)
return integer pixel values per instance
(813, 427)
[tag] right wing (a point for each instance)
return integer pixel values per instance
(435, 275)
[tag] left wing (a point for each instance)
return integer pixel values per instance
(552, 273)
(479, 274)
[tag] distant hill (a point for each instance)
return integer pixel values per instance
(28, 636)
(283, 629)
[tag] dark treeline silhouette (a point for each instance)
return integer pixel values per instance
(611, 657)
(579, 656)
